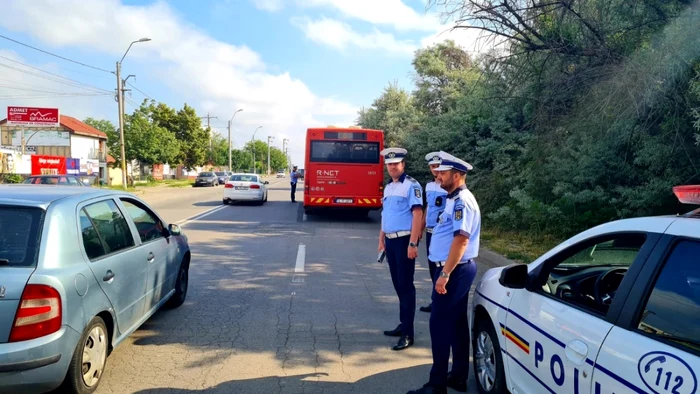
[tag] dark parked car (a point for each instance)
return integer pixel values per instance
(222, 176)
(207, 179)
(63, 180)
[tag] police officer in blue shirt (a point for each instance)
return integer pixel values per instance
(402, 214)
(294, 176)
(454, 245)
(435, 197)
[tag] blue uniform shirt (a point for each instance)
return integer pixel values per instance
(461, 216)
(399, 200)
(436, 198)
(294, 176)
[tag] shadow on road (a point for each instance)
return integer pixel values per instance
(207, 203)
(395, 381)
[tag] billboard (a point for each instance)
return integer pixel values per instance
(41, 137)
(48, 165)
(73, 166)
(33, 116)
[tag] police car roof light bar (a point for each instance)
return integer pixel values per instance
(688, 194)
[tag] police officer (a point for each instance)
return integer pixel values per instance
(454, 245)
(401, 225)
(293, 182)
(435, 197)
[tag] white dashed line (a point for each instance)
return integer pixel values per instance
(199, 216)
(301, 258)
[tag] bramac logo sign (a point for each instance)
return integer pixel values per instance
(33, 116)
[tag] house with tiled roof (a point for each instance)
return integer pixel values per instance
(71, 139)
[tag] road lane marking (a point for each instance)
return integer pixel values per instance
(301, 258)
(199, 215)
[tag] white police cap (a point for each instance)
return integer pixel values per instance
(393, 155)
(449, 162)
(434, 157)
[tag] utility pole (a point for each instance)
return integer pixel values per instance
(285, 142)
(120, 101)
(269, 138)
(230, 122)
(209, 118)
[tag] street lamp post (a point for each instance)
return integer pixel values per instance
(230, 123)
(269, 138)
(253, 147)
(120, 101)
(285, 142)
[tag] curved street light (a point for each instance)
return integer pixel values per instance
(230, 123)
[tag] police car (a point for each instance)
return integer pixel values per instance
(615, 309)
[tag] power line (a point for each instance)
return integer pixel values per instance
(139, 90)
(53, 54)
(50, 73)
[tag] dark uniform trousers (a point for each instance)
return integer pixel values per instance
(402, 270)
(432, 267)
(294, 190)
(449, 327)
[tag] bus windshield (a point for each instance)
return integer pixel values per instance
(344, 152)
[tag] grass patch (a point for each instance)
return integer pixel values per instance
(177, 183)
(519, 246)
(119, 187)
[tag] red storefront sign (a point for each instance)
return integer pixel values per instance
(48, 165)
(33, 116)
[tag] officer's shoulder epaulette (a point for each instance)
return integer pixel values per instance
(411, 179)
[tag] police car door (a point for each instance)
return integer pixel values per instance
(656, 347)
(554, 331)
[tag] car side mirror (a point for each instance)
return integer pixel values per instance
(174, 229)
(514, 276)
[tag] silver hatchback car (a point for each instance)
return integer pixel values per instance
(80, 270)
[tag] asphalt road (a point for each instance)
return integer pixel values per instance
(278, 302)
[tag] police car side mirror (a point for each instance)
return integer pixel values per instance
(514, 276)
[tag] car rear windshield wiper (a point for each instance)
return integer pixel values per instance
(4, 262)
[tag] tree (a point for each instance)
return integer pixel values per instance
(194, 140)
(393, 113)
(147, 142)
(277, 157)
(113, 139)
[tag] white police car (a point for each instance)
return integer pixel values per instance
(615, 309)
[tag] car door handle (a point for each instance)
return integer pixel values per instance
(576, 351)
(108, 276)
(151, 257)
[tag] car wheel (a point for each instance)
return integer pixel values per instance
(183, 278)
(89, 359)
(488, 359)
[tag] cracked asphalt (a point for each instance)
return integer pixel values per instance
(251, 324)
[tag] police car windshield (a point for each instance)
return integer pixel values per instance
(620, 251)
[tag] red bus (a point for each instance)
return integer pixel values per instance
(343, 169)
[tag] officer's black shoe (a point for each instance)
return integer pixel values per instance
(426, 308)
(404, 343)
(428, 389)
(456, 384)
(396, 332)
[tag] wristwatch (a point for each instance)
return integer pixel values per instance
(412, 245)
(444, 274)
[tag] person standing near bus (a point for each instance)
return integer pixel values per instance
(400, 232)
(454, 245)
(435, 197)
(293, 182)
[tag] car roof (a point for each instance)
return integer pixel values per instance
(245, 173)
(43, 195)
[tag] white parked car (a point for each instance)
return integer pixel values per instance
(245, 187)
(614, 309)
(280, 174)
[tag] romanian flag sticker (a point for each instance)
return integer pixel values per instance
(516, 339)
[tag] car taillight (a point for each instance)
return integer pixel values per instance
(38, 314)
(255, 186)
(228, 186)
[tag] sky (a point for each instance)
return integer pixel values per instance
(288, 64)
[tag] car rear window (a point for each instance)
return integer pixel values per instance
(20, 233)
(244, 178)
(206, 174)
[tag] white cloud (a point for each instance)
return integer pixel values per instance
(394, 13)
(339, 35)
(199, 69)
(269, 5)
